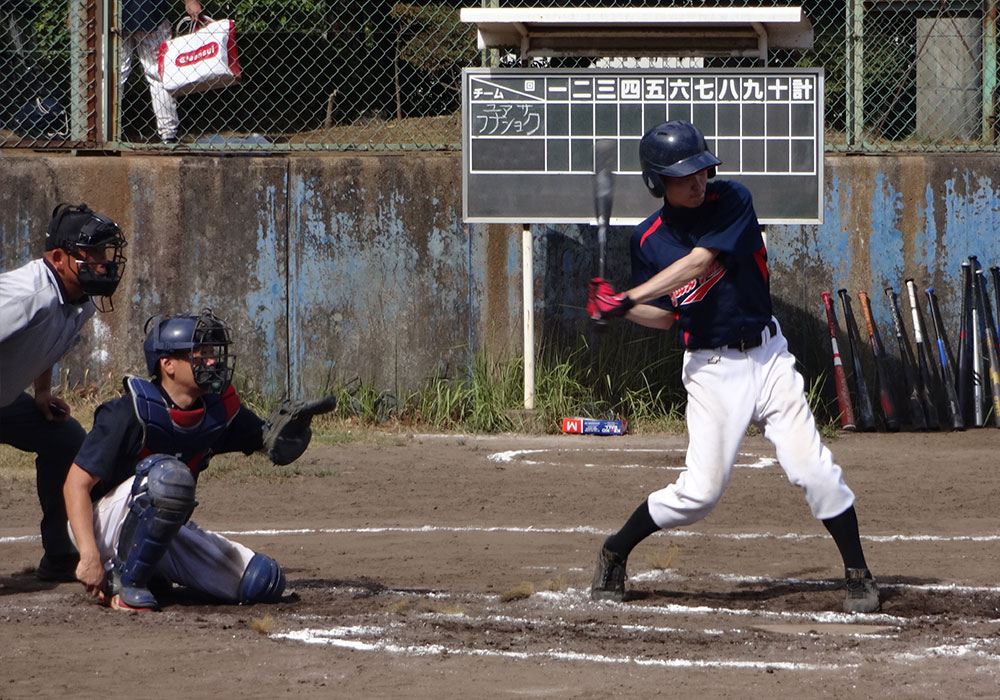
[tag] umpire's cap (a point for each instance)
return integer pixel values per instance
(675, 149)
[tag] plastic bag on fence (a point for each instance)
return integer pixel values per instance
(205, 59)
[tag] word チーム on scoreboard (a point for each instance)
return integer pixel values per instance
(528, 138)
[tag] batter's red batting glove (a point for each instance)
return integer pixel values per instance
(603, 302)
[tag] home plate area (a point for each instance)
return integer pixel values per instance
(439, 566)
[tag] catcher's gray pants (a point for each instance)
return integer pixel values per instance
(198, 559)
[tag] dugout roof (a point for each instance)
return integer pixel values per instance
(633, 31)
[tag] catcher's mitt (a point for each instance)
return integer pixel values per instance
(287, 432)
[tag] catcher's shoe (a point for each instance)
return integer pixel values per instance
(862, 592)
(609, 577)
(133, 598)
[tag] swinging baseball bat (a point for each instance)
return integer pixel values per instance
(882, 376)
(947, 362)
(963, 384)
(865, 415)
(925, 381)
(990, 332)
(917, 416)
(604, 188)
(839, 376)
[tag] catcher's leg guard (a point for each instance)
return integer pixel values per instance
(263, 580)
(160, 504)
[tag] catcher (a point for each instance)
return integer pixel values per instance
(131, 491)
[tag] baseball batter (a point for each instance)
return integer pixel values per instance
(700, 263)
(131, 491)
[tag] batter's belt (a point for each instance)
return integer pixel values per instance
(749, 341)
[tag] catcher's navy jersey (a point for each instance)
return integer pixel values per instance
(732, 300)
(115, 445)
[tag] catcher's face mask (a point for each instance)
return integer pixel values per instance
(211, 362)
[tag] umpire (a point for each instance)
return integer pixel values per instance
(43, 306)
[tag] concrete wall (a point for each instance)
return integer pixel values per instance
(358, 267)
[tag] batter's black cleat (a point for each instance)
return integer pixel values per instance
(609, 578)
(57, 567)
(862, 592)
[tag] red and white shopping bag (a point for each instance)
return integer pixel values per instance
(204, 59)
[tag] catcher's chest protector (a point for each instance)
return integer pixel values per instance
(185, 434)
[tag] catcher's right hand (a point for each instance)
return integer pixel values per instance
(287, 432)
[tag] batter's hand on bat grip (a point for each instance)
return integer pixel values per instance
(604, 303)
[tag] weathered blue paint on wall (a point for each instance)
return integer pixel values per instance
(341, 266)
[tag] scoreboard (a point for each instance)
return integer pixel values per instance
(528, 138)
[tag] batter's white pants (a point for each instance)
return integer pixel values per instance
(727, 391)
(197, 559)
(147, 45)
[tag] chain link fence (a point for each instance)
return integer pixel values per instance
(908, 75)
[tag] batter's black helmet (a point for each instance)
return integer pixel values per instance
(675, 149)
(180, 334)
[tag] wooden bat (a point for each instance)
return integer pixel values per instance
(990, 333)
(839, 377)
(917, 417)
(883, 382)
(947, 362)
(925, 381)
(865, 415)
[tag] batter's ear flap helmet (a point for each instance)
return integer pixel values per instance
(675, 149)
(213, 366)
(97, 245)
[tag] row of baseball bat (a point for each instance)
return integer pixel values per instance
(940, 391)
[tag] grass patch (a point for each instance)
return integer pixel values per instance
(663, 558)
(523, 590)
(263, 625)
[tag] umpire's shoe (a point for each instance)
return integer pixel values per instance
(609, 578)
(862, 592)
(57, 567)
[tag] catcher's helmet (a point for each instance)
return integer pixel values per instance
(182, 334)
(78, 229)
(675, 149)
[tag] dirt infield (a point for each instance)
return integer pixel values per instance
(433, 567)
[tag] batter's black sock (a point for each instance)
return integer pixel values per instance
(844, 529)
(638, 527)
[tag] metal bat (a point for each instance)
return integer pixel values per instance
(976, 321)
(865, 415)
(604, 188)
(883, 381)
(917, 416)
(947, 362)
(925, 381)
(839, 377)
(963, 383)
(990, 333)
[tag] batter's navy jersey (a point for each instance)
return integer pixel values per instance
(732, 300)
(114, 445)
